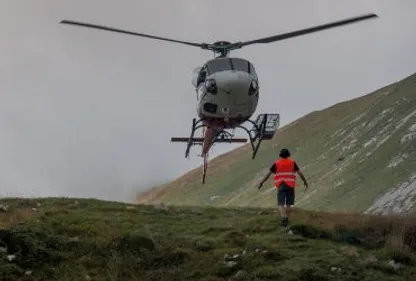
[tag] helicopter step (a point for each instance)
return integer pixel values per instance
(270, 122)
(264, 128)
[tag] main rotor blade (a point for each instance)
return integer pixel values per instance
(129, 32)
(308, 30)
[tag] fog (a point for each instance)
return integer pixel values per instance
(88, 113)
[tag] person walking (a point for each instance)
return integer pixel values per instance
(285, 170)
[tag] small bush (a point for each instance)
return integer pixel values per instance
(409, 237)
(204, 246)
(134, 242)
(309, 274)
(268, 272)
(10, 272)
(357, 237)
(310, 231)
(272, 256)
(224, 270)
(402, 257)
(169, 257)
(235, 238)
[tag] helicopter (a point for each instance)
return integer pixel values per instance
(227, 91)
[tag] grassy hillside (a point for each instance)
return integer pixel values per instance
(78, 239)
(352, 154)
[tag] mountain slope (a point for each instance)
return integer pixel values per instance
(356, 155)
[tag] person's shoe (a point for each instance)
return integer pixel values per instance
(285, 221)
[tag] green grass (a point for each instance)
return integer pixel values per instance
(331, 148)
(81, 239)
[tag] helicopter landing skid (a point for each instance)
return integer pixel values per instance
(263, 128)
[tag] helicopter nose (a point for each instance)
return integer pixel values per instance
(229, 82)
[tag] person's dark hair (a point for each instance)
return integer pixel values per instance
(284, 153)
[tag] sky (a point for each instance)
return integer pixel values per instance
(88, 113)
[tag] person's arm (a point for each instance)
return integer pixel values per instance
(302, 176)
(266, 176)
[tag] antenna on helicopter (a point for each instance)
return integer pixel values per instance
(223, 48)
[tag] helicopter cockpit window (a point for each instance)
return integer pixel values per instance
(240, 64)
(218, 65)
(202, 75)
(253, 70)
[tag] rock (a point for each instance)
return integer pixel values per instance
(4, 207)
(236, 256)
(395, 265)
(231, 263)
(11, 257)
(228, 257)
(334, 268)
(29, 272)
(240, 274)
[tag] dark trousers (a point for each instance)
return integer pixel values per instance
(285, 195)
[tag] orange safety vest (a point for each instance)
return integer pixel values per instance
(285, 172)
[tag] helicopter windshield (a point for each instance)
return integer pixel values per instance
(222, 64)
(217, 65)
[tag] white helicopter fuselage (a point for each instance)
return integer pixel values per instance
(227, 92)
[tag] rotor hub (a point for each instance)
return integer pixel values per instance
(222, 48)
(221, 43)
